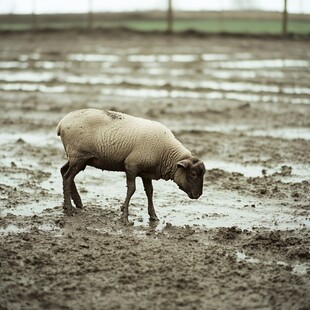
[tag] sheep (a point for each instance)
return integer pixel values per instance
(116, 141)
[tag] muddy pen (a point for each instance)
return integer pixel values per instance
(199, 112)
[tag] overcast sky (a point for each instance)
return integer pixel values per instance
(75, 6)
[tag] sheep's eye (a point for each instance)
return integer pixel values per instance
(193, 174)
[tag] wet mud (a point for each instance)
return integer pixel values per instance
(244, 110)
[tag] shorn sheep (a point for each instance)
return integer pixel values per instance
(116, 141)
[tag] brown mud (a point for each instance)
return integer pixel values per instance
(240, 104)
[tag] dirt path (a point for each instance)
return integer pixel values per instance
(242, 105)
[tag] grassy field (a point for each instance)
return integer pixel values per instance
(227, 25)
(210, 22)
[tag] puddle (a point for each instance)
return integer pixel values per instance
(14, 229)
(11, 229)
(30, 209)
(163, 58)
(301, 269)
(49, 227)
(32, 56)
(162, 93)
(241, 257)
(176, 127)
(15, 179)
(33, 88)
(117, 70)
(296, 90)
(51, 64)
(154, 93)
(246, 170)
(26, 76)
(34, 138)
(105, 230)
(299, 172)
(165, 71)
(282, 133)
(258, 64)
(247, 74)
(264, 98)
(94, 57)
(45, 64)
(228, 86)
(218, 209)
(192, 85)
(214, 209)
(13, 65)
(93, 80)
(207, 89)
(223, 90)
(214, 57)
(113, 80)
(23, 162)
(113, 188)
(241, 87)
(184, 58)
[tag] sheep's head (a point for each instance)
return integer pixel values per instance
(189, 176)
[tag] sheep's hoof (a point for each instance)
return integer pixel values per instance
(126, 222)
(154, 219)
(69, 211)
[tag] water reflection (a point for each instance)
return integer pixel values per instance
(93, 57)
(33, 88)
(258, 64)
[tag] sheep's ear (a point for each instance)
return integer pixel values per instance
(183, 163)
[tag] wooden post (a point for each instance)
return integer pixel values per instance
(90, 15)
(34, 16)
(170, 17)
(284, 19)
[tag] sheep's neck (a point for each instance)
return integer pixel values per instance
(169, 162)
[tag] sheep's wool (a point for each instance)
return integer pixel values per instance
(111, 140)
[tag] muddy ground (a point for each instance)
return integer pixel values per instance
(240, 104)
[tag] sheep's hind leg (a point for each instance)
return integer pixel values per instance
(73, 190)
(69, 189)
(66, 189)
(148, 187)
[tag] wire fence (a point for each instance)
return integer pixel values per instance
(158, 15)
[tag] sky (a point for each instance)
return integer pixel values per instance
(81, 6)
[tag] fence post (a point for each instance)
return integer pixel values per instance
(284, 19)
(170, 17)
(90, 15)
(34, 16)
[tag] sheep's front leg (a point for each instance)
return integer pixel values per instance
(148, 187)
(131, 188)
